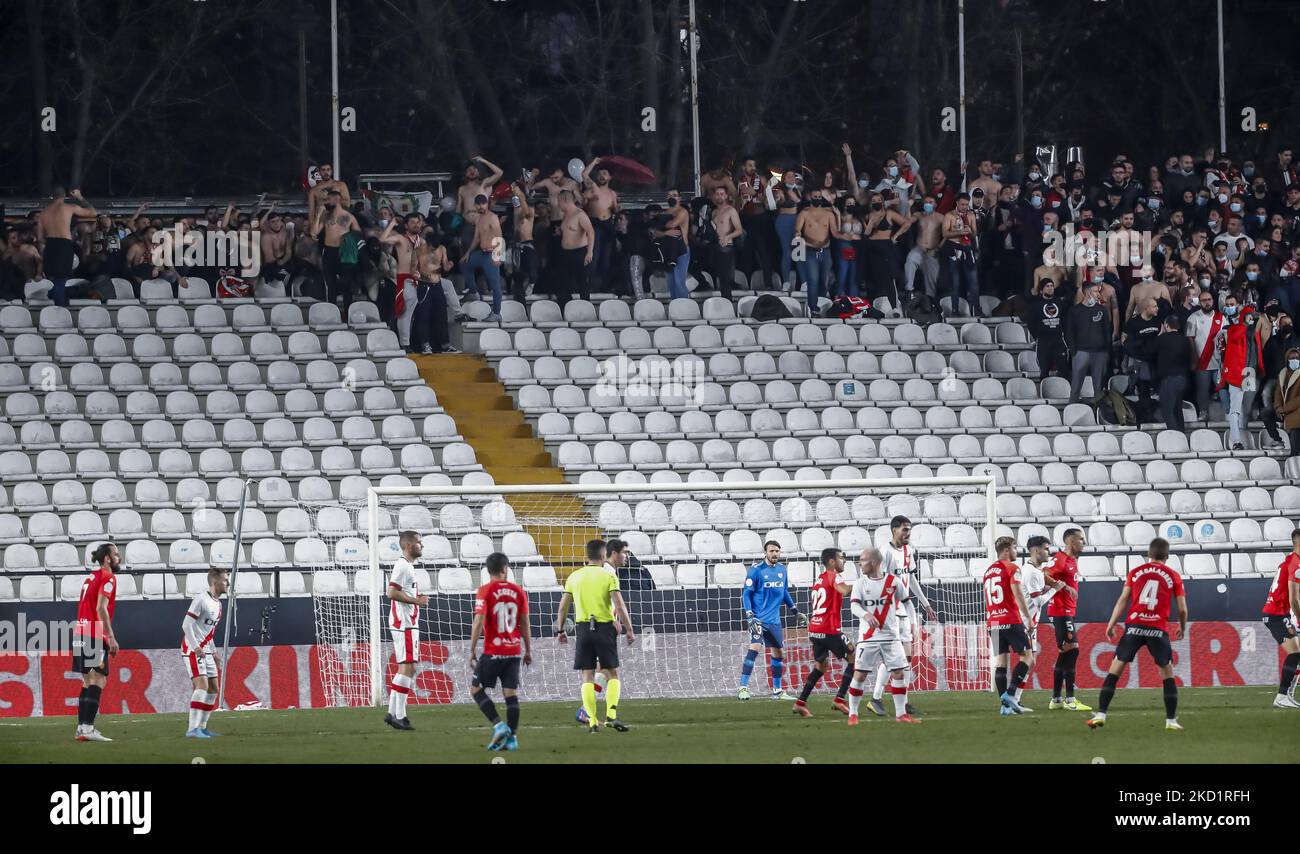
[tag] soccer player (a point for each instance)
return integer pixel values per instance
(197, 629)
(1157, 586)
(826, 602)
(1038, 590)
(1008, 614)
(596, 603)
(93, 638)
(1282, 616)
(873, 601)
(1065, 568)
(766, 590)
(501, 614)
(405, 601)
(900, 559)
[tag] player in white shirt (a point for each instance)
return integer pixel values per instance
(404, 626)
(899, 558)
(197, 630)
(873, 602)
(1038, 589)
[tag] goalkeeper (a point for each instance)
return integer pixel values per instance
(767, 588)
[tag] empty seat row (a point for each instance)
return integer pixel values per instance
(192, 347)
(805, 337)
(217, 462)
(175, 318)
(223, 404)
(163, 377)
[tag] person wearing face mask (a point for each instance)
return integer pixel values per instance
(673, 237)
(1104, 280)
(1141, 333)
(1173, 354)
(883, 228)
(1088, 337)
(895, 179)
(1280, 339)
(961, 251)
(1147, 288)
(1045, 314)
(1204, 328)
(924, 256)
(1242, 366)
(1286, 399)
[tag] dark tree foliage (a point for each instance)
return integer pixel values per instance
(182, 97)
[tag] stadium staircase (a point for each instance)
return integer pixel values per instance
(506, 447)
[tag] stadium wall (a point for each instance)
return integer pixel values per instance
(1231, 647)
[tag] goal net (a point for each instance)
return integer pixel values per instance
(689, 545)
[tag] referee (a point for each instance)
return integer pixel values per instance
(596, 601)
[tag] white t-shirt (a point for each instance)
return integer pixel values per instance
(401, 614)
(870, 594)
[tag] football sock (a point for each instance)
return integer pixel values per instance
(898, 687)
(612, 691)
(88, 706)
(196, 707)
(1019, 692)
(855, 691)
(209, 703)
(1069, 661)
(1107, 692)
(814, 676)
(881, 676)
(512, 712)
(487, 707)
(845, 681)
(1289, 666)
(1000, 680)
(1171, 699)
(777, 667)
(402, 686)
(589, 701)
(1058, 678)
(1018, 675)
(747, 668)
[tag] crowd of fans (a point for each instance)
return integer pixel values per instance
(1203, 314)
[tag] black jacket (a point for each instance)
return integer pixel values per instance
(1088, 329)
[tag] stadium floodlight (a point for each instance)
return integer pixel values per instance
(692, 542)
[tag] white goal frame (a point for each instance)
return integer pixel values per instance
(375, 493)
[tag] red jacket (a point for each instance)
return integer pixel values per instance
(1235, 352)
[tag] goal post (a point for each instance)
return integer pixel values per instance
(690, 546)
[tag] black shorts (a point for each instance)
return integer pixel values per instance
(1136, 637)
(92, 656)
(58, 258)
(492, 668)
(1064, 630)
(600, 645)
(1007, 638)
(824, 646)
(1281, 628)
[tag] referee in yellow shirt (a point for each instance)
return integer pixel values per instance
(593, 590)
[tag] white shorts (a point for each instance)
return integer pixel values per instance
(406, 645)
(200, 665)
(886, 652)
(904, 627)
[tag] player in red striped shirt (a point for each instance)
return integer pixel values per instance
(1064, 567)
(93, 638)
(1008, 614)
(501, 615)
(197, 631)
(1282, 616)
(826, 602)
(1149, 594)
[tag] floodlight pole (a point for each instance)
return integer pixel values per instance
(334, 80)
(695, 94)
(1223, 116)
(961, 78)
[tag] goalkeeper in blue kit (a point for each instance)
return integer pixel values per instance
(766, 590)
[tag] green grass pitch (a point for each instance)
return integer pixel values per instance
(1223, 725)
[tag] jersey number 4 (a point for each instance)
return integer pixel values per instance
(1150, 596)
